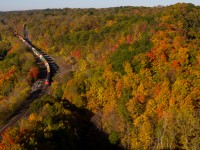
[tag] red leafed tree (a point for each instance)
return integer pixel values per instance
(141, 98)
(159, 111)
(114, 48)
(34, 72)
(10, 140)
(76, 54)
(174, 64)
(151, 55)
(7, 141)
(129, 39)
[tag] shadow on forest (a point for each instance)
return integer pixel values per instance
(90, 137)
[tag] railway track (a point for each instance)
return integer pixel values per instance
(21, 113)
(49, 64)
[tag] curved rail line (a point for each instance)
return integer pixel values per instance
(34, 95)
(22, 113)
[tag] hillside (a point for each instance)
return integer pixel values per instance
(129, 78)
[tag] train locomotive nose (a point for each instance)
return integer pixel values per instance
(46, 82)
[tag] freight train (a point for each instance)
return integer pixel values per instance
(34, 50)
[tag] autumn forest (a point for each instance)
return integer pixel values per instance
(129, 78)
